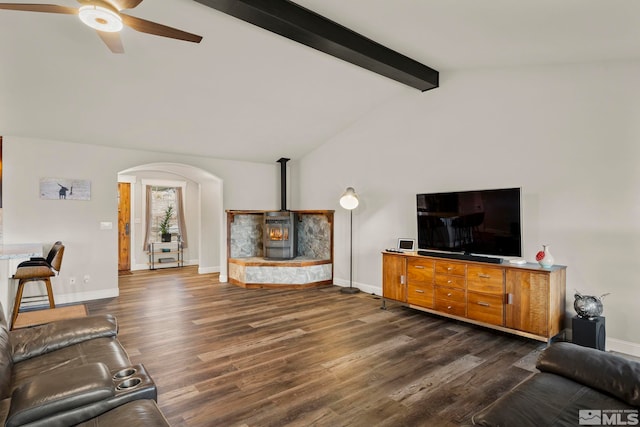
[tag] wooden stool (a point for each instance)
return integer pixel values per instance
(41, 273)
(38, 270)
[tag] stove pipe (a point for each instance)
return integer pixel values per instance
(283, 183)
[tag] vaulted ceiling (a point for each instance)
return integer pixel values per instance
(245, 93)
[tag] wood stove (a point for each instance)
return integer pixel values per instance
(280, 240)
(279, 230)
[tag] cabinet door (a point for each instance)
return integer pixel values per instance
(527, 307)
(394, 284)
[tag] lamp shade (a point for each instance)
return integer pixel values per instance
(349, 199)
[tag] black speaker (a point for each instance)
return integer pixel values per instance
(589, 333)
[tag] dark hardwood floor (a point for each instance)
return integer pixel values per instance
(227, 356)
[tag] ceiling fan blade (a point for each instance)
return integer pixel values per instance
(112, 40)
(48, 8)
(124, 4)
(156, 29)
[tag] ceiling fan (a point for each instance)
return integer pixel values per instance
(104, 16)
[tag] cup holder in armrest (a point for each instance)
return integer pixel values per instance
(57, 399)
(133, 383)
(124, 373)
(129, 383)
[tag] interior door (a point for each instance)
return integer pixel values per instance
(124, 226)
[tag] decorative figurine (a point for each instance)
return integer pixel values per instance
(588, 306)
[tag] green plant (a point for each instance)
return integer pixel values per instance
(165, 223)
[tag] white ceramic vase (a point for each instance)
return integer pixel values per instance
(545, 259)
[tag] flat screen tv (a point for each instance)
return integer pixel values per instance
(483, 222)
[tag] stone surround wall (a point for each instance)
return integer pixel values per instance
(313, 232)
(246, 236)
(314, 236)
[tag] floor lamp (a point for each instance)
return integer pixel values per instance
(349, 200)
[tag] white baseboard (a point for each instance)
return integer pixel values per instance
(620, 346)
(145, 266)
(78, 297)
(362, 286)
(207, 270)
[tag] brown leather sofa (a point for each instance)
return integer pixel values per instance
(73, 372)
(573, 382)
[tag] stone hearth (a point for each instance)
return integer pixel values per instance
(312, 266)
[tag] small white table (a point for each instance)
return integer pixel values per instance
(10, 256)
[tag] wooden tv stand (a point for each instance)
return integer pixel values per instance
(525, 300)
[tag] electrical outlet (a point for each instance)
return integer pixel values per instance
(86, 278)
(72, 280)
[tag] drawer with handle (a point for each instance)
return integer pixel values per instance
(455, 308)
(485, 279)
(450, 294)
(452, 281)
(420, 295)
(486, 308)
(453, 268)
(420, 271)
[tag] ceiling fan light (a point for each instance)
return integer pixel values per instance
(100, 18)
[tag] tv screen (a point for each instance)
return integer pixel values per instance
(485, 222)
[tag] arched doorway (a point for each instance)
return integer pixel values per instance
(209, 234)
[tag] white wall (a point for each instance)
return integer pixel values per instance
(568, 135)
(89, 250)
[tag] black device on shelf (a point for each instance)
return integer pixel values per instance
(466, 257)
(481, 225)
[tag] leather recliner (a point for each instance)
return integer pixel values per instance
(573, 381)
(73, 372)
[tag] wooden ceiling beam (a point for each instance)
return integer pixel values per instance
(309, 28)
